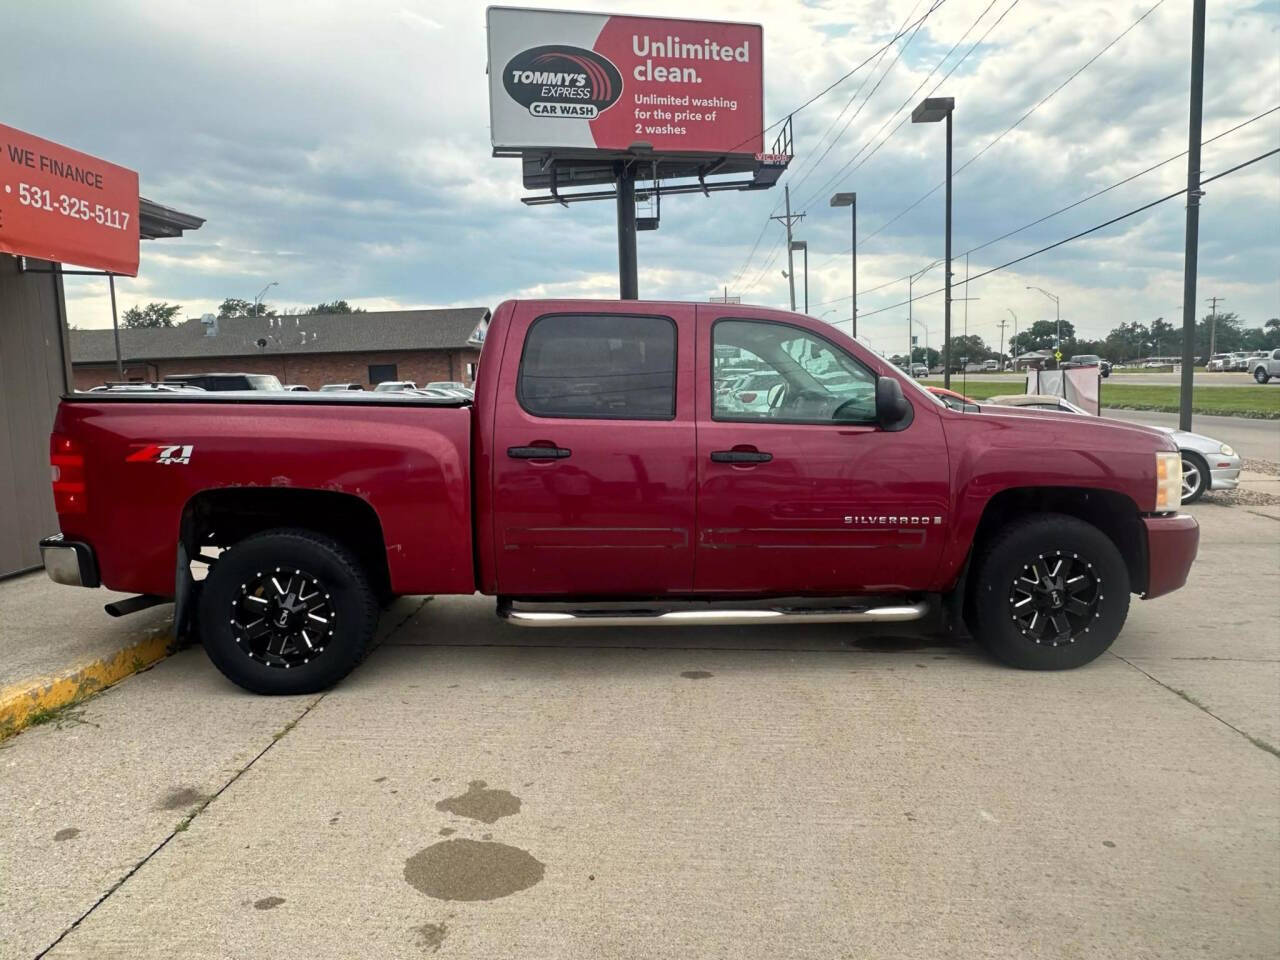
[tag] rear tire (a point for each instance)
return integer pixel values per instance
(318, 612)
(1051, 592)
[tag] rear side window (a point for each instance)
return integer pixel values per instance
(600, 367)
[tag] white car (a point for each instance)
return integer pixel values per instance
(751, 393)
(395, 386)
(1207, 464)
(1218, 362)
(335, 387)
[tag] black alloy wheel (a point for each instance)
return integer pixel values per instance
(1054, 598)
(283, 618)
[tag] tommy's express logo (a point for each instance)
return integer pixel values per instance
(562, 81)
(161, 453)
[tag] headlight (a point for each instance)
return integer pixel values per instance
(1168, 482)
(1227, 451)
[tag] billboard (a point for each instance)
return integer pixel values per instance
(59, 204)
(584, 82)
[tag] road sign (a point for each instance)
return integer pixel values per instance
(59, 204)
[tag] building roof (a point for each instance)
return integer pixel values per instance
(155, 220)
(388, 330)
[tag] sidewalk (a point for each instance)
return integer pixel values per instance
(57, 645)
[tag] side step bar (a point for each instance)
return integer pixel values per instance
(526, 614)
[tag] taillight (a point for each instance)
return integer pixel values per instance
(747, 397)
(66, 463)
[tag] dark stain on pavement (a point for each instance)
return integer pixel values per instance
(179, 798)
(431, 936)
(479, 803)
(1108, 843)
(447, 831)
(903, 644)
(697, 674)
(471, 870)
(379, 779)
(268, 903)
(66, 833)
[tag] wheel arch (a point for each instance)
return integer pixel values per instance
(1115, 514)
(222, 517)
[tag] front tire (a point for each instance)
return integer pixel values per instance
(1261, 375)
(286, 612)
(1195, 476)
(1051, 592)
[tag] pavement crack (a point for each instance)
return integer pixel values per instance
(1258, 742)
(184, 824)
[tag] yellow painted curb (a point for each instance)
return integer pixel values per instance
(21, 701)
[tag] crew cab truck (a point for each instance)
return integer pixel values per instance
(598, 477)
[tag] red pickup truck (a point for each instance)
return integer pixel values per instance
(613, 469)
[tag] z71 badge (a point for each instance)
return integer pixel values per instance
(161, 453)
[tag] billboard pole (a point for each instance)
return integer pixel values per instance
(1189, 262)
(628, 282)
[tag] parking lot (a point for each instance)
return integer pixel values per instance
(808, 791)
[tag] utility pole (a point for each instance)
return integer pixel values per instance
(788, 220)
(1013, 345)
(1213, 324)
(1000, 350)
(1194, 193)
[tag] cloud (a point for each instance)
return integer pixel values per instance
(343, 151)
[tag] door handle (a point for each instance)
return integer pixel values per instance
(538, 453)
(740, 456)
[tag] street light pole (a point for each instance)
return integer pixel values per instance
(850, 200)
(931, 110)
(1013, 344)
(1057, 303)
(261, 293)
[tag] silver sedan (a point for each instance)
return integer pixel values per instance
(1207, 464)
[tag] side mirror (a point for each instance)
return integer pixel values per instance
(892, 410)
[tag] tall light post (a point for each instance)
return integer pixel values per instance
(850, 200)
(261, 293)
(1013, 344)
(1057, 303)
(911, 318)
(804, 246)
(931, 110)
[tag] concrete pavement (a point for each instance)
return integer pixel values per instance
(479, 791)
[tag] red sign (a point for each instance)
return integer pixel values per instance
(586, 81)
(59, 204)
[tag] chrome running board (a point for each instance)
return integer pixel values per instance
(527, 614)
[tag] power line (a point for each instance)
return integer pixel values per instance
(867, 100)
(1043, 100)
(820, 94)
(1060, 210)
(1076, 236)
(911, 97)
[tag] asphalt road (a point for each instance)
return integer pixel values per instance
(1257, 439)
(805, 791)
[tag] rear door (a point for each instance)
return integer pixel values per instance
(593, 477)
(806, 494)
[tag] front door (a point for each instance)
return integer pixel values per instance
(799, 491)
(593, 477)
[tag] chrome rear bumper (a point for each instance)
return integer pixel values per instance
(69, 562)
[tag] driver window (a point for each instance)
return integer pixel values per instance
(783, 374)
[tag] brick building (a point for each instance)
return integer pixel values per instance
(311, 349)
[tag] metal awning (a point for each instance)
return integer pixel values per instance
(156, 220)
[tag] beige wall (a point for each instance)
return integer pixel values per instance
(33, 374)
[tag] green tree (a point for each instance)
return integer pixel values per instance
(1041, 335)
(234, 307)
(972, 349)
(154, 314)
(336, 306)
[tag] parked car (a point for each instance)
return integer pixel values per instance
(145, 387)
(228, 381)
(1266, 366)
(1218, 362)
(1089, 360)
(447, 385)
(953, 400)
(1207, 464)
(1239, 360)
(296, 387)
(991, 366)
(335, 387)
(598, 481)
(919, 370)
(751, 393)
(395, 385)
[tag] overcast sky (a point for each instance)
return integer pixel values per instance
(342, 150)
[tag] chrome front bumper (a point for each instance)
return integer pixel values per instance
(69, 562)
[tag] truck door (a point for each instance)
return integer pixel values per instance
(799, 491)
(593, 453)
